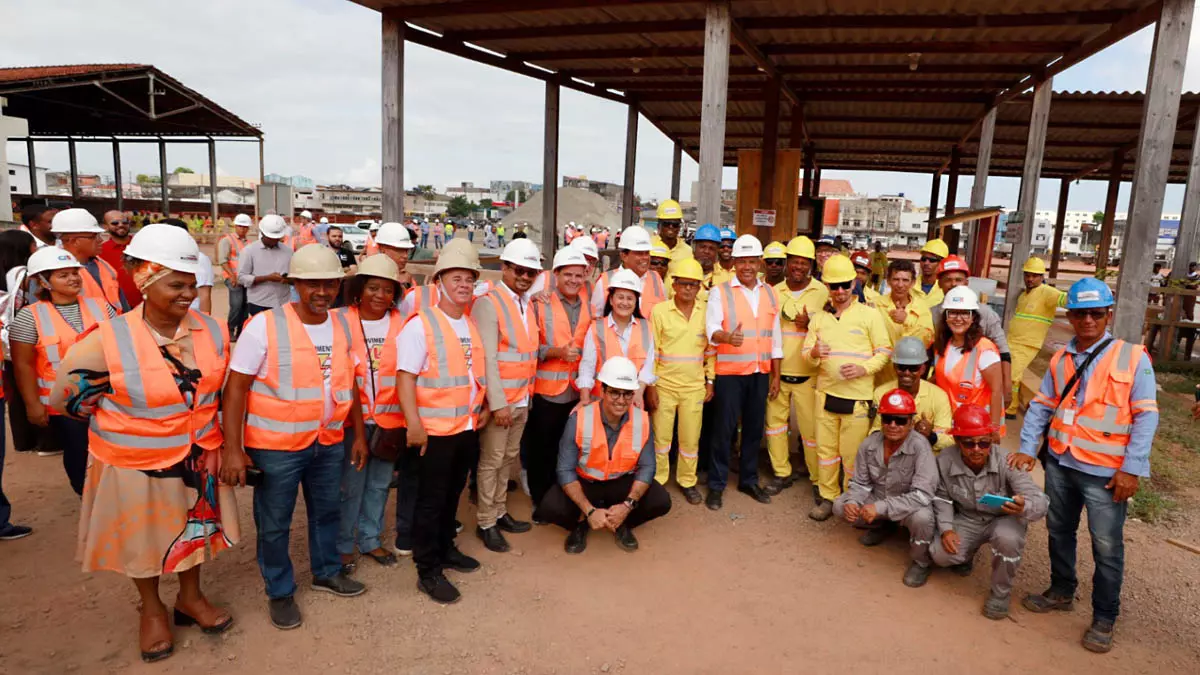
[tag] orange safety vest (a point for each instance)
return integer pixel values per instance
(370, 247)
(754, 356)
(386, 413)
(285, 406)
(550, 284)
(108, 289)
(1096, 427)
(308, 235)
(959, 383)
(287, 241)
(608, 345)
(653, 291)
(516, 350)
(423, 297)
(554, 330)
(145, 423)
(55, 337)
(444, 401)
(235, 249)
(596, 461)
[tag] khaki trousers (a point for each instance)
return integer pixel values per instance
(499, 452)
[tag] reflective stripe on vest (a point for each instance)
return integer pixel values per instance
(608, 345)
(596, 460)
(554, 375)
(55, 337)
(959, 384)
(386, 412)
(235, 251)
(516, 348)
(754, 356)
(444, 401)
(106, 289)
(1096, 432)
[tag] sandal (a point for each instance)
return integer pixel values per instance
(210, 619)
(153, 631)
(388, 559)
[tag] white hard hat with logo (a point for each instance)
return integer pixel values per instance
(568, 256)
(172, 247)
(619, 373)
(961, 297)
(635, 238)
(627, 280)
(272, 226)
(242, 220)
(747, 246)
(75, 221)
(587, 246)
(48, 259)
(522, 252)
(315, 262)
(306, 214)
(394, 234)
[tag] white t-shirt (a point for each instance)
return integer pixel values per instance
(250, 354)
(986, 360)
(414, 358)
(203, 278)
(376, 333)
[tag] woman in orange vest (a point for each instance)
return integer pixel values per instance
(622, 331)
(375, 325)
(150, 382)
(968, 364)
(40, 336)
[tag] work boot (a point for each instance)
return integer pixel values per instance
(1047, 601)
(692, 495)
(875, 536)
(1099, 637)
(822, 511)
(964, 569)
(755, 492)
(996, 608)
(439, 588)
(714, 501)
(460, 562)
(816, 492)
(509, 524)
(492, 539)
(577, 540)
(775, 485)
(625, 539)
(285, 613)
(917, 575)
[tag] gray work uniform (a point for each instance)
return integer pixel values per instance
(957, 508)
(901, 490)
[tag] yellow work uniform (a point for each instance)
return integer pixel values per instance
(871, 296)
(702, 295)
(931, 299)
(858, 337)
(918, 323)
(798, 387)
(683, 364)
(1027, 333)
(681, 251)
(879, 264)
(932, 403)
(720, 275)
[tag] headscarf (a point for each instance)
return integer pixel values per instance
(146, 273)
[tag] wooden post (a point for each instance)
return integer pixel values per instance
(74, 168)
(676, 170)
(935, 189)
(1035, 149)
(806, 184)
(816, 183)
(393, 118)
(1060, 224)
(631, 135)
(550, 173)
(116, 147)
(952, 184)
(212, 182)
(1187, 244)
(979, 188)
(262, 176)
(770, 145)
(717, 29)
(33, 186)
(1110, 210)
(162, 178)
(1160, 113)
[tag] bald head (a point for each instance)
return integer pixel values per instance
(117, 225)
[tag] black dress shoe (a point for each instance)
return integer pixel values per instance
(285, 614)
(460, 562)
(775, 485)
(713, 500)
(492, 539)
(756, 493)
(439, 588)
(577, 539)
(692, 495)
(625, 538)
(510, 524)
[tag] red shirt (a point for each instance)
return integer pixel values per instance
(113, 252)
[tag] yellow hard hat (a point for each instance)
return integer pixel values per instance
(669, 210)
(838, 269)
(657, 250)
(1034, 266)
(774, 251)
(379, 265)
(936, 247)
(802, 247)
(688, 268)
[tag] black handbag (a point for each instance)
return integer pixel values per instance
(839, 405)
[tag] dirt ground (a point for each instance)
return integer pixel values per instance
(752, 588)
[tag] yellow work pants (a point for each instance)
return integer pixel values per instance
(688, 407)
(801, 398)
(838, 438)
(1022, 356)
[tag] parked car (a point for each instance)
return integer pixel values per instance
(355, 236)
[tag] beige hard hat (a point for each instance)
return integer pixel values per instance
(459, 254)
(379, 265)
(462, 247)
(315, 262)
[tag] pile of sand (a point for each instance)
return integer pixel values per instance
(581, 206)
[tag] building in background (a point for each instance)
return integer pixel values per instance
(473, 194)
(612, 193)
(18, 179)
(351, 201)
(419, 205)
(503, 187)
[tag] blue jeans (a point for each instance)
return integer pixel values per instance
(738, 398)
(364, 497)
(1069, 491)
(316, 469)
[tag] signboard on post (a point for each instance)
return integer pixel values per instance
(764, 218)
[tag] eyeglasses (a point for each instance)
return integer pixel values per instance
(960, 314)
(1093, 314)
(903, 368)
(620, 394)
(930, 259)
(974, 442)
(843, 286)
(895, 420)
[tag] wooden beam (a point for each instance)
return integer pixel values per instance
(1027, 205)
(1159, 122)
(770, 147)
(483, 7)
(625, 71)
(32, 157)
(935, 190)
(676, 170)
(162, 177)
(1060, 224)
(693, 84)
(717, 37)
(934, 121)
(807, 48)
(983, 164)
(214, 206)
(116, 151)
(1117, 164)
(550, 172)
(73, 167)
(952, 184)
(796, 127)
(393, 118)
(1125, 149)
(631, 136)
(807, 182)
(1187, 243)
(755, 94)
(743, 40)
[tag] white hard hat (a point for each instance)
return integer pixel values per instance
(568, 256)
(626, 279)
(635, 238)
(375, 226)
(961, 297)
(747, 246)
(324, 220)
(242, 220)
(75, 221)
(586, 246)
(394, 234)
(167, 245)
(315, 262)
(619, 373)
(306, 214)
(49, 258)
(272, 226)
(522, 252)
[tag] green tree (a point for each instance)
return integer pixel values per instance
(143, 179)
(182, 169)
(1098, 217)
(425, 191)
(513, 195)
(460, 207)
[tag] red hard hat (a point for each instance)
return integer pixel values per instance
(971, 420)
(953, 263)
(861, 259)
(897, 402)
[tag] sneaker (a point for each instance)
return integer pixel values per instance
(1099, 637)
(339, 584)
(996, 608)
(285, 613)
(439, 588)
(916, 575)
(821, 511)
(525, 483)
(460, 562)
(404, 552)
(1047, 601)
(48, 453)
(10, 532)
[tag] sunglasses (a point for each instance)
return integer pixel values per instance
(844, 286)
(659, 262)
(620, 394)
(118, 222)
(687, 283)
(901, 368)
(895, 420)
(930, 259)
(975, 442)
(525, 271)
(729, 245)
(1093, 314)
(775, 263)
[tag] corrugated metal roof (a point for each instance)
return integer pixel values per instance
(42, 72)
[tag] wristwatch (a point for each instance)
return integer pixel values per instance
(631, 503)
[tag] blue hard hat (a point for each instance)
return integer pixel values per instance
(827, 240)
(1089, 292)
(727, 233)
(707, 232)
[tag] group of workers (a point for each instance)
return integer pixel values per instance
(587, 383)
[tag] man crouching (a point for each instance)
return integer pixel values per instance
(895, 476)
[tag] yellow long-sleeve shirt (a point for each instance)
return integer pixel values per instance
(1034, 315)
(810, 298)
(932, 403)
(918, 321)
(683, 360)
(857, 337)
(931, 299)
(711, 279)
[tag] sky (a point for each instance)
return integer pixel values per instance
(308, 71)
